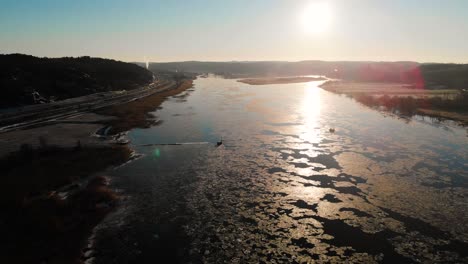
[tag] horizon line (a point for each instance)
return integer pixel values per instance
(241, 61)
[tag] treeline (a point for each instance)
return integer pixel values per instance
(428, 76)
(61, 78)
(445, 76)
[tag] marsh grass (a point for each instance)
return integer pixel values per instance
(437, 107)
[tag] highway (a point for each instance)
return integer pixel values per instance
(36, 115)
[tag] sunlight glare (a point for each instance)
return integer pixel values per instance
(316, 18)
(311, 113)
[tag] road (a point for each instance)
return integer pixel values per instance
(35, 115)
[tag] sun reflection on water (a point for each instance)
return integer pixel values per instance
(311, 108)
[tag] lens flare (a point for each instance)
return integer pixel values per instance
(157, 153)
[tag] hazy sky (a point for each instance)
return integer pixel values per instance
(419, 30)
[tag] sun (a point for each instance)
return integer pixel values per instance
(316, 18)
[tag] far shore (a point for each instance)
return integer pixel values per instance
(280, 80)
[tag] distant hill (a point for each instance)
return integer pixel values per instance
(62, 78)
(431, 76)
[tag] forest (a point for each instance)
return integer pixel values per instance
(62, 78)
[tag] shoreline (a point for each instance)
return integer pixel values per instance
(280, 80)
(136, 114)
(461, 118)
(52, 197)
(64, 165)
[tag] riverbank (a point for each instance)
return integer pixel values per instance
(51, 202)
(280, 80)
(136, 114)
(54, 191)
(403, 99)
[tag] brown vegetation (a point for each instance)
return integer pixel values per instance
(280, 80)
(40, 224)
(391, 89)
(401, 100)
(462, 118)
(136, 114)
(453, 109)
